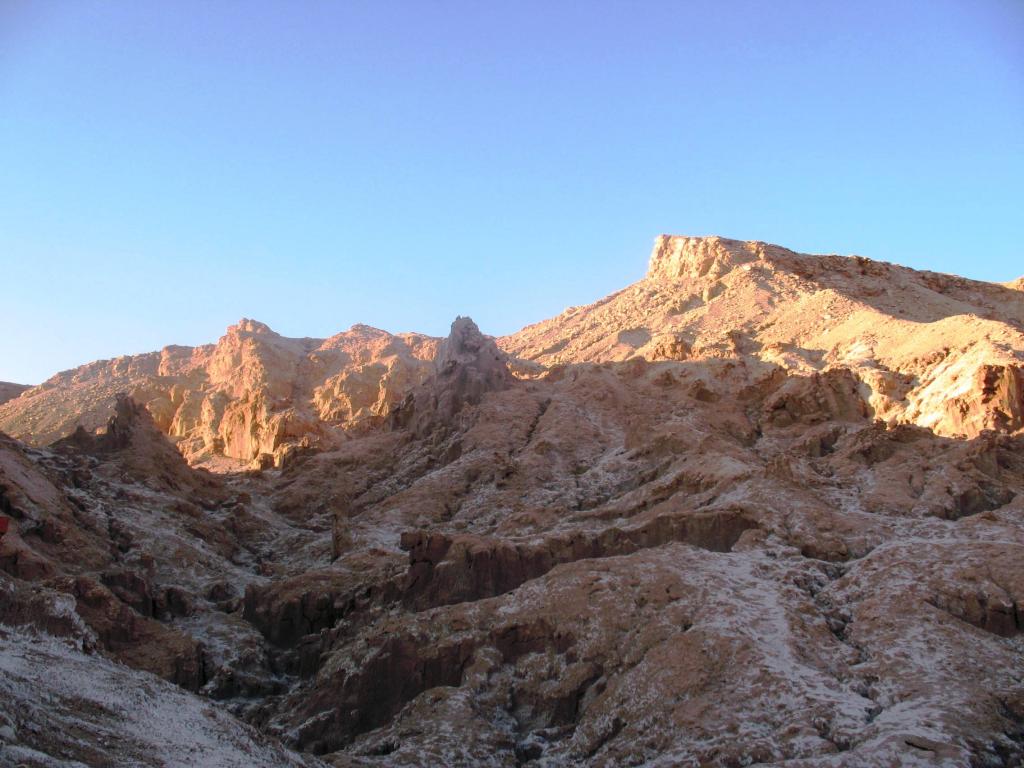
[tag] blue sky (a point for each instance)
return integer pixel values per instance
(167, 168)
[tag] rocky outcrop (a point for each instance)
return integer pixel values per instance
(254, 397)
(144, 454)
(122, 533)
(833, 395)
(761, 507)
(293, 608)
(999, 403)
(678, 631)
(915, 339)
(468, 366)
(445, 569)
(691, 258)
(63, 705)
(920, 343)
(139, 641)
(993, 611)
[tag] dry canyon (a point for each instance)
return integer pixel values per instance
(758, 508)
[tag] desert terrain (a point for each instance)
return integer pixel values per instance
(758, 508)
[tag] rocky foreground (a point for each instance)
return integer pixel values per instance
(758, 508)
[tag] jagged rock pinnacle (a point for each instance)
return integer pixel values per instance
(468, 365)
(467, 346)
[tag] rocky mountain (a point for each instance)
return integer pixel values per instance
(934, 350)
(253, 397)
(909, 338)
(758, 508)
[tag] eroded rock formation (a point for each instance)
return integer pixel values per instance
(759, 508)
(254, 397)
(919, 344)
(468, 366)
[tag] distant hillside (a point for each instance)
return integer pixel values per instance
(9, 391)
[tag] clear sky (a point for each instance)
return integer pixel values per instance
(167, 168)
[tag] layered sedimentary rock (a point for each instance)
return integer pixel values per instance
(759, 508)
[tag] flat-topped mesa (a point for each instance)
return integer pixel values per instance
(677, 257)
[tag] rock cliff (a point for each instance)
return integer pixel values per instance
(920, 345)
(758, 508)
(467, 367)
(253, 397)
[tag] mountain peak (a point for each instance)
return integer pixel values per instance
(677, 256)
(468, 365)
(246, 325)
(464, 344)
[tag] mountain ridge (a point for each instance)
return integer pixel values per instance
(718, 523)
(256, 396)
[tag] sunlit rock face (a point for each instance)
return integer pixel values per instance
(253, 397)
(690, 258)
(760, 507)
(928, 349)
(921, 346)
